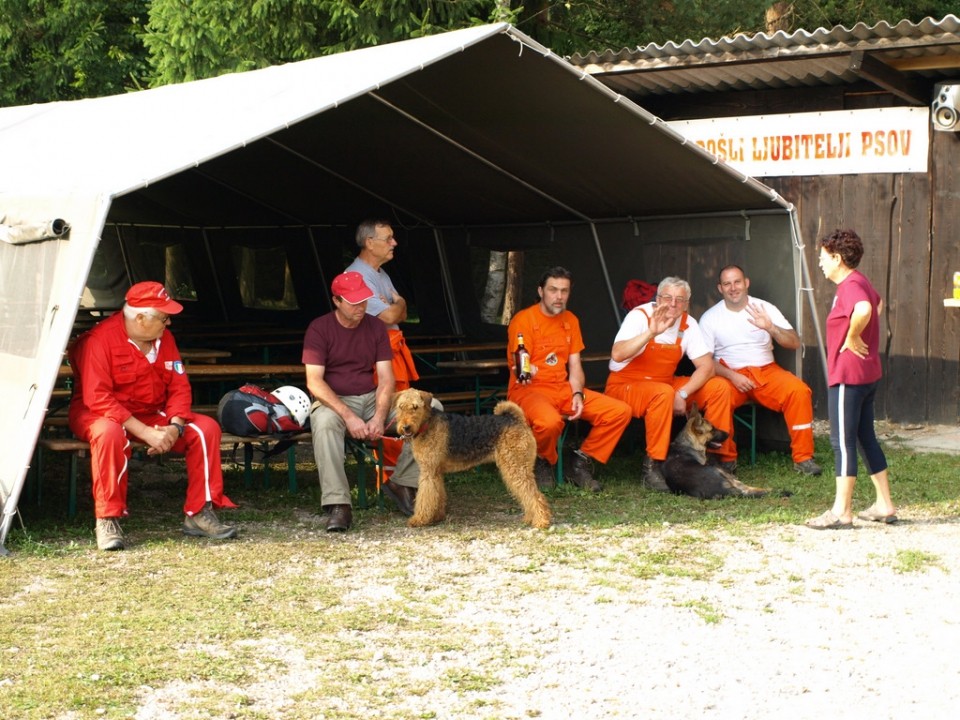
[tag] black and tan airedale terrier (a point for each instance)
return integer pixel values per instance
(447, 442)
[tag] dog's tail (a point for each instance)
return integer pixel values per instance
(750, 491)
(505, 407)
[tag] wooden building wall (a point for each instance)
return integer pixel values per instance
(910, 225)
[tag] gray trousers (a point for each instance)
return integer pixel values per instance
(329, 452)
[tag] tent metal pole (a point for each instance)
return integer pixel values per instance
(452, 311)
(628, 219)
(807, 289)
(216, 280)
(316, 259)
(477, 156)
(606, 273)
(340, 176)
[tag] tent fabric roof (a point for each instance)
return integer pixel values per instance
(476, 127)
(524, 133)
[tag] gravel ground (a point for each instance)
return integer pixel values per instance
(786, 622)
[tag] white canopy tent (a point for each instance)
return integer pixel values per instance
(475, 128)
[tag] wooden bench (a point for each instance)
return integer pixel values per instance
(363, 453)
(224, 370)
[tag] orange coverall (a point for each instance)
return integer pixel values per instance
(404, 373)
(781, 390)
(648, 385)
(547, 399)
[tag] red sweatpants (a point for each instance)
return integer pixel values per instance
(110, 458)
(653, 401)
(547, 406)
(782, 391)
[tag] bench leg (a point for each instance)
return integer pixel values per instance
(362, 453)
(292, 468)
(35, 488)
(248, 465)
(560, 442)
(750, 423)
(72, 497)
(266, 470)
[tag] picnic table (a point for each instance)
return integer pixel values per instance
(488, 394)
(431, 355)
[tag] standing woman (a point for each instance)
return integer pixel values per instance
(853, 373)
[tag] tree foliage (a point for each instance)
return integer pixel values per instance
(583, 25)
(70, 49)
(209, 37)
(66, 49)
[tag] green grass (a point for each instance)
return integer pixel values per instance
(909, 561)
(378, 620)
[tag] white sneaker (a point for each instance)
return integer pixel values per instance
(109, 534)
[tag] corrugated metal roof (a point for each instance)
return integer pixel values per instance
(927, 50)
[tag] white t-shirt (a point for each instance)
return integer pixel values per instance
(635, 323)
(731, 337)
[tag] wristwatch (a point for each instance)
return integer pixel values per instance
(682, 393)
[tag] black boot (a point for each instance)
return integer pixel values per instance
(652, 476)
(581, 473)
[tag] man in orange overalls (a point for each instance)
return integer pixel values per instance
(556, 391)
(377, 245)
(740, 331)
(652, 340)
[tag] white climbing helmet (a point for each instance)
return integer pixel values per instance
(295, 400)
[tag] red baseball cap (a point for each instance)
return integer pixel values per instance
(152, 294)
(351, 287)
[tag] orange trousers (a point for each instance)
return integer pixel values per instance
(781, 391)
(548, 406)
(653, 401)
(392, 447)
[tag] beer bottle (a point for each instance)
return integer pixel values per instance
(521, 360)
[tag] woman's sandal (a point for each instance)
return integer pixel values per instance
(872, 515)
(828, 521)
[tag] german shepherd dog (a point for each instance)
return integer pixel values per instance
(686, 470)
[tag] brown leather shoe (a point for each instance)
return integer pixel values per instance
(403, 496)
(340, 518)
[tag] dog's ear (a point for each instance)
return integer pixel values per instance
(426, 397)
(694, 411)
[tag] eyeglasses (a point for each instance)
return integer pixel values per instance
(670, 299)
(164, 319)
